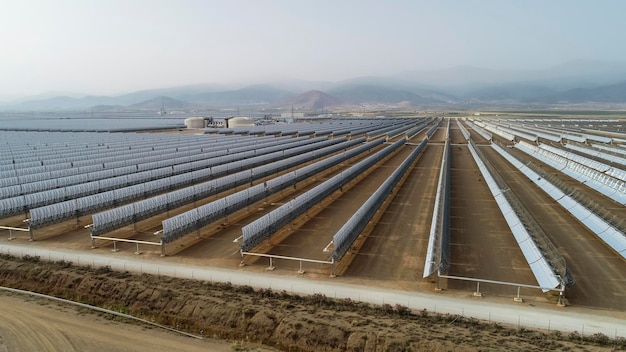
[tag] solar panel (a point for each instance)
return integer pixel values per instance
(541, 268)
(609, 234)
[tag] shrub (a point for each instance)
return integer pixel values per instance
(30, 258)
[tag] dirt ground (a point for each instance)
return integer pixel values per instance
(33, 324)
(241, 315)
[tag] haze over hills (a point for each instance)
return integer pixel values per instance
(572, 83)
(311, 100)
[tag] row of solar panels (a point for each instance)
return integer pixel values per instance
(334, 128)
(221, 166)
(555, 137)
(581, 135)
(497, 131)
(596, 165)
(350, 231)
(170, 164)
(601, 154)
(539, 265)
(605, 231)
(389, 130)
(37, 146)
(415, 130)
(519, 133)
(13, 173)
(263, 228)
(40, 153)
(475, 126)
(578, 156)
(564, 133)
(68, 154)
(621, 174)
(322, 128)
(231, 174)
(372, 132)
(108, 158)
(104, 160)
(613, 150)
(605, 184)
(178, 226)
(106, 221)
(536, 133)
(464, 131)
(438, 248)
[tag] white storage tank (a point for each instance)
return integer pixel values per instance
(240, 121)
(197, 122)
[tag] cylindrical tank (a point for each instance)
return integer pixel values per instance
(240, 121)
(195, 122)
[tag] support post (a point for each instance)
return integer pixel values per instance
(242, 262)
(31, 236)
(138, 251)
(11, 235)
(115, 246)
(162, 249)
(301, 271)
(518, 298)
(437, 286)
(271, 267)
(477, 293)
(561, 301)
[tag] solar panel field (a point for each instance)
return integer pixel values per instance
(502, 207)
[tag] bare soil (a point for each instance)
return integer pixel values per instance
(277, 319)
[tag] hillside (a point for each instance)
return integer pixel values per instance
(311, 100)
(575, 82)
(615, 93)
(361, 94)
(158, 102)
(252, 95)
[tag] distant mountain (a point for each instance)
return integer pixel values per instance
(180, 93)
(614, 93)
(252, 95)
(461, 80)
(63, 103)
(360, 94)
(108, 108)
(311, 100)
(158, 102)
(510, 93)
(189, 97)
(573, 82)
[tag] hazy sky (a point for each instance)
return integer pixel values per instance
(111, 46)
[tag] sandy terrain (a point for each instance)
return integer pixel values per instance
(34, 324)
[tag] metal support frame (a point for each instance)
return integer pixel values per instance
(115, 240)
(11, 229)
(477, 293)
(300, 260)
